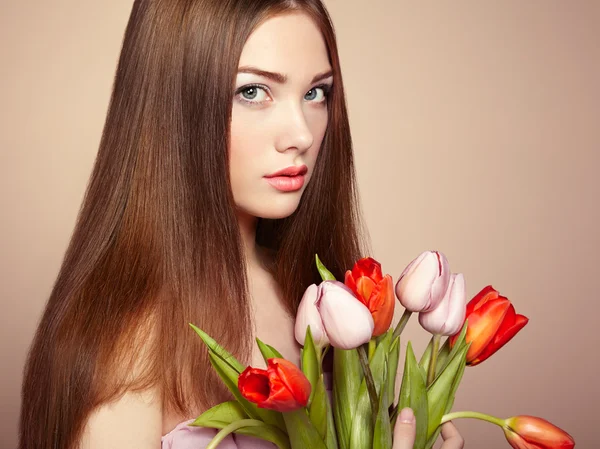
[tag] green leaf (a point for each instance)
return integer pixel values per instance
(440, 394)
(393, 358)
(318, 408)
(221, 415)
(382, 435)
(268, 352)
(458, 346)
(251, 427)
(230, 378)
(218, 350)
(326, 275)
(347, 377)
(361, 435)
(426, 357)
(361, 432)
(378, 362)
(310, 363)
(268, 433)
(413, 394)
(301, 431)
(331, 437)
(443, 357)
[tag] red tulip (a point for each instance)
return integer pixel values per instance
(530, 432)
(492, 323)
(282, 386)
(374, 290)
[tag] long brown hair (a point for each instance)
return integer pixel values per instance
(157, 242)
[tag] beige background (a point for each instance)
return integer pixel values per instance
(476, 133)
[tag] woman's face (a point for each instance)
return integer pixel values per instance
(279, 114)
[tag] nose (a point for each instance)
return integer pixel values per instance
(294, 132)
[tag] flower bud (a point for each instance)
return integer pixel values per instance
(493, 322)
(532, 432)
(424, 282)
(448, 317)
(282, 386)
(374, 290)
(347, 321)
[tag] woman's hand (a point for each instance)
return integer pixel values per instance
(406, 428)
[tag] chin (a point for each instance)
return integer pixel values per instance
(282, 207)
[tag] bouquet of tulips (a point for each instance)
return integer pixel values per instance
(293, 407)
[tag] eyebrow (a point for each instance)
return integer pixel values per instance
(280, 78)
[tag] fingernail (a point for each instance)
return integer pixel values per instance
(406, 415)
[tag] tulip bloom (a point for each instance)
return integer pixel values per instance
(530, 432)
(424, 282)
(347, 321)
(449, 316)
(308, 315)
(374, 290)
(282, 386)
(492, 323)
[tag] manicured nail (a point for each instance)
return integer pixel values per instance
(406, 415)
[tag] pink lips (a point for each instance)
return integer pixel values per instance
(289, 179)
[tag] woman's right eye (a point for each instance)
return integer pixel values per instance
(253, 94)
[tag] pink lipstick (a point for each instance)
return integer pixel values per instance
(289, 179)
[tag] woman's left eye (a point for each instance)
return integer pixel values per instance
(317, 94)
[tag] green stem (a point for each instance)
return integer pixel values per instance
(372, 347)
(402, 323)
(476, 415)
(364, 361)
(433, 361)
(232, 428)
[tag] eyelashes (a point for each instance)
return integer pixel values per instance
(260, 88)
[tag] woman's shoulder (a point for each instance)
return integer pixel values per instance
(134, 420)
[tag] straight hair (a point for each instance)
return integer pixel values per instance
(157, 243)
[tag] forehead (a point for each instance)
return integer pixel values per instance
(290, 43)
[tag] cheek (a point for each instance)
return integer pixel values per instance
(245, 143)
(318, 125)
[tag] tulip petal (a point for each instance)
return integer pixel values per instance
(536, 433)
(382, 304)
(293, 378)
(254, 384)
(367, 267)
(364, 288)
(280, 397)
(510, 326)
(308, 315)
(483, 325)
(350, 282)
(448, 317)
(486, 294)
(423, 282)
(457, 312)
(348, 322)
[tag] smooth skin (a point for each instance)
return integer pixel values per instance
(274, 125)
(405, 433)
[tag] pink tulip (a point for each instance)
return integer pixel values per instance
(308, 315)
(347, 321)
(448, 317)
(424, 282)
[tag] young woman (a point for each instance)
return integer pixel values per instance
(185, 220)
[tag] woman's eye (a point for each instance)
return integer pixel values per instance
(253, 94)
(318, 94)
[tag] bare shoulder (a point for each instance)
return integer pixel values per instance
(135, 418)
(133, 421)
